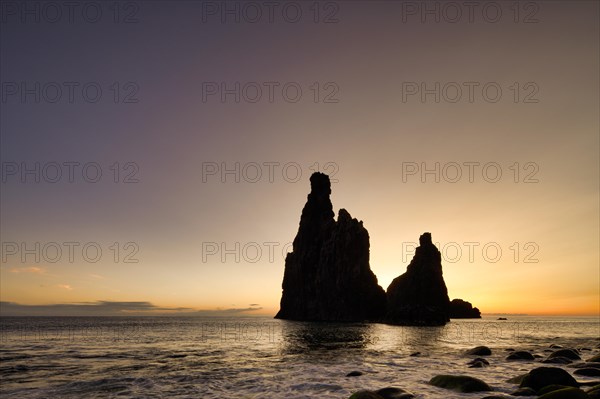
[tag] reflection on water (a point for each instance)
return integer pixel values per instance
(259, 357)
(303, 337)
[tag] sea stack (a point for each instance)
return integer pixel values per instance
(420, 296)
(460, 309)
(327, 275)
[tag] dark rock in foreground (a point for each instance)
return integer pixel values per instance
(523, 392)
(543, 376)
(594, 392)
(565, 393)
(394, 393)
(588, 372)
(384, 393)
(460, 309)
(327, 275)
(365, 395)
(420, 296)
(460, 383)
(479, 360)
(568, 353)
(354, 374)
(594, 358)
(479, 351)
(520, 355)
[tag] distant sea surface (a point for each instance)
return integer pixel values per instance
(184, 357)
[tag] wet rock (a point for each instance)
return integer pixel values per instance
(365, 395)
(477, 365)
(394, 393)
(520, 355)
(594, 358)
(568, 353)
(419, 296)
(460, 383)
(588, 372)
(594, 392)
(551, 388)
(327, 275)
(541, 377)
(558, 360)
(354, 374)
(566, 393)
(583, 365)
(460, 309)
(479, 351)
(523, 392)
(478, 362)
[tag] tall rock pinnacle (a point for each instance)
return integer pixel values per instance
(420, 296)
(327, 275)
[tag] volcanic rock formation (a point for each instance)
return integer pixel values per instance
(460, 309)
(420, 296)
(327, 275)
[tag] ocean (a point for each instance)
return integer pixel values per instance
(186, 357)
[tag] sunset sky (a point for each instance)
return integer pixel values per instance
(502, 102)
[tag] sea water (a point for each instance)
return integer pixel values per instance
(187, 357)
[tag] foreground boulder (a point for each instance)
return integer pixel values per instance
(365, 395)
(479, 351)
(594, 392)
(520, 355)
(565, 393)
(460, 383)
(568, 353)
(543, 376)
(588, 372)
(420, 296)
(327, 275)
(384, 393)
(460, 309)
(394, 393)
(594, 358)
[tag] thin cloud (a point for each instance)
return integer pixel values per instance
(65, 287)
(114, 308)
(28, 270)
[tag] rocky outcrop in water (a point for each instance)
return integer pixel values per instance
(460, 309)
(327, 275)
(420, 296)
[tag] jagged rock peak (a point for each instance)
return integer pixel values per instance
(327, 276)
(320, 184)
(425, 239)
(419, 296)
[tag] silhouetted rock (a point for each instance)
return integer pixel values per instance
(565, 393)
(588, 372)
(327, 275)
(394, 393)
(354, 374)
(460, 383)
(523, 392)
(479, 351)
(520, 355)
(460, 309)
(420, 296)
(540, 377)
(568, 353)
(484, 362)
